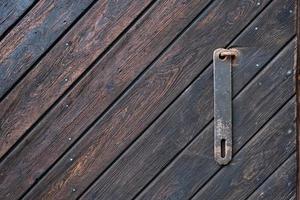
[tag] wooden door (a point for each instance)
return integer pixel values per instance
(113, 100)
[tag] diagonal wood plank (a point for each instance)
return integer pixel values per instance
(35, 33)
(293, 197)
(173, 130)
(11, 11)
(188, 115)
(48, 140)
(261, 156)
(281, 185)
(109, 174)
(164, 81)
(192, 168)
(62, 66)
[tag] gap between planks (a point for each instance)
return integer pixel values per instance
(167, 108)
(89, 68)
(119, 96)
(17, 20)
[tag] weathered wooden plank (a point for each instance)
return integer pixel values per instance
(33, 36)
(163, 82)
(251, 109)
(62, 66)
(293, 197)
(179, 128)
(256, 161)
(281, 185)
(176, 128)
(10, 11)
(103, 84)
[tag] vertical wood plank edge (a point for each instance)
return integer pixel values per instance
(297, 57)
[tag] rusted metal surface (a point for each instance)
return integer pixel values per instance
(223, 105)
(115, 100)
(226, 52)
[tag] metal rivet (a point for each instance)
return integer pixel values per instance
(69, 138)
(66, 79)
(257, 65)
(71, 159)
(289, 72)
(290, 131)
(73, 190)
(67, 105)
(259, 83)
(258, 3)
(67, 44)
(256, 28)
(291, 11)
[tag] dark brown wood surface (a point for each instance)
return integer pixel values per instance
(11, 13)
(283, 180)
(152, 92)
(33, 35)
(187, 161)
(62, 66)
(114, 99)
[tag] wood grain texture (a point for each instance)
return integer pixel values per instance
(256, 161)
(10, 11)
(85, 42)
(193, 167)
(294, 197)
(281, 185)
(164, 81)
(62, 66)
(171, 133)
(120, 106)
(188, 115)
(33, 35)
(102, 84)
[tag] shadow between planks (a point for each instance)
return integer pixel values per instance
(31, 38)
(70, 155)
(65, 105)
(11, 13)
(180, 44)
(170, 29)
(139, 152)
(283, 182)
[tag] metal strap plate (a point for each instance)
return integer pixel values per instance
(222, 105)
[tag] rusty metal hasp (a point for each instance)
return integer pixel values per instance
(223, 59)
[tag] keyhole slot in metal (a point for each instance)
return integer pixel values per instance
(223, 148)
(223, 62)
